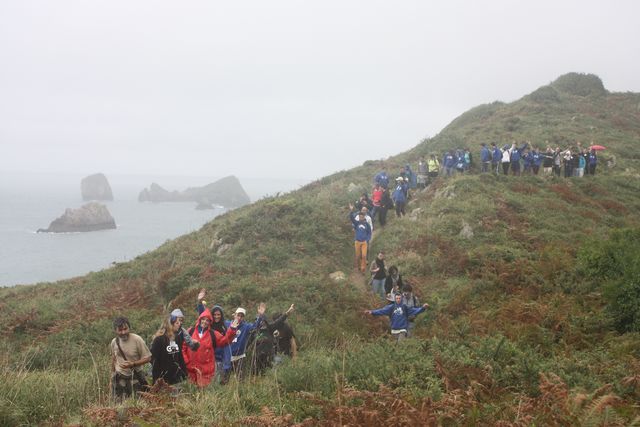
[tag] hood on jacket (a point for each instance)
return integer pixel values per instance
(218, 326)
(205, 314)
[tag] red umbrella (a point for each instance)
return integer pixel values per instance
(597, 147)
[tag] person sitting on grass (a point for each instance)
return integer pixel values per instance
(128, 354)
(399, 314)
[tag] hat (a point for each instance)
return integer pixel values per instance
(240, 310)
(399, 178)
(175, 314)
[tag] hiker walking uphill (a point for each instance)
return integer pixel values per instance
(362, 235)
(201, 366)
(128, 354)
(399, 314)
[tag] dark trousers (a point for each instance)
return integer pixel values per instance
(236, 369)
(592, 169)
(536, 169)
(382, 215)
(400, 209)
(505, 167)
(515, 168)
(485, 167)
(123, 387)
(568, 170)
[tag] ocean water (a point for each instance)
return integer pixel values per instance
(31, 201)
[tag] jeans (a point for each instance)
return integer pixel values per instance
(377, 286)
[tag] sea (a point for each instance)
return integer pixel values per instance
(30, 201)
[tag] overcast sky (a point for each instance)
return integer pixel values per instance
(275, 88)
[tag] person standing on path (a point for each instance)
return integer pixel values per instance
(385, 204)
(128, 353)
(399, 197)
(362, 235)
(399, 315)
(379, 275)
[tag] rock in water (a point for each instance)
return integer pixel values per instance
(226, 192)
(90, 217)
(96, 187)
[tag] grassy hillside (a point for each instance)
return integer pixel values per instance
(533, 319)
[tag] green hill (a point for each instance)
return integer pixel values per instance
(534, 319)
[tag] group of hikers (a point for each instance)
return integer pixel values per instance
(213, 349)
(402, 304)
(512, 158)
(521, 159)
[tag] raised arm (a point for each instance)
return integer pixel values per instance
(384, 311)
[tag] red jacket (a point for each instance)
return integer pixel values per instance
(376, 196)
(201, 364)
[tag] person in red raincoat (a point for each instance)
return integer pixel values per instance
(201, 364)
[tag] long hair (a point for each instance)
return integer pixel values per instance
(166, 329)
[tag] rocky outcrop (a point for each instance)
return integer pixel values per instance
(203, 206)
(226, 192)
(90, 217)
(96, 187)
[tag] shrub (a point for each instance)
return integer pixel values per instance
(615, 263)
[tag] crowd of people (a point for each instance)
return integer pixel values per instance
(524, 159)
(212, 350)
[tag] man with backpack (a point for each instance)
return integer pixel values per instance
(129, 353)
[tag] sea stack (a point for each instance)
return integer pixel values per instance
(90, 217)
(227, 192)
(96, 187)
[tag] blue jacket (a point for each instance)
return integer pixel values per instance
(399, 194)
(516, 152)
(382, 179)
(239, 343)
(581, 162)
(362, 229)
(537, 158)
(398, 314)
(497, 155)
(449, 160)
(413, 178)
(528, 160)
(460, 159)
(485, 155)
(593, 159)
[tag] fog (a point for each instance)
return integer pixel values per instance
(281, 89)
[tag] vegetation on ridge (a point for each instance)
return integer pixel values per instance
(533, 318)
